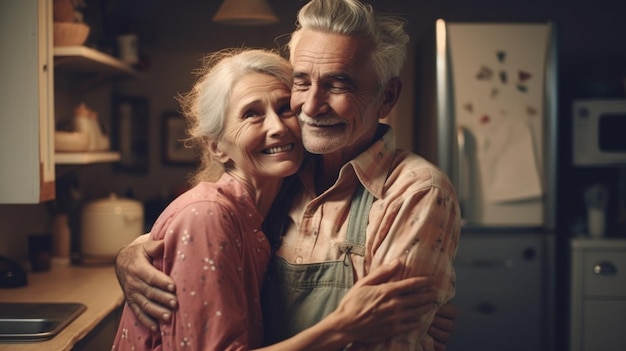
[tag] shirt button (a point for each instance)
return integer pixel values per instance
(299, 259)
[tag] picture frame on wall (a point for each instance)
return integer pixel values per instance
(130, 133)
(175, 152)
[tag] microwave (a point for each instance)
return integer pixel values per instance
(599, 132)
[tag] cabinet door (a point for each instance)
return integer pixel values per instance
(26, 102)
(603, 325)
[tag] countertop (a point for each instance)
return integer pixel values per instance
(95, 286)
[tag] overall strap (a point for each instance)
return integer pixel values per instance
(357, 223)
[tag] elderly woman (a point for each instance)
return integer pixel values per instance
(215, 248)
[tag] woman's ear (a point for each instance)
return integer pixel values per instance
(391, 93)
(217, 152)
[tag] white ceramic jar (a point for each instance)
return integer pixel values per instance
(107, 225)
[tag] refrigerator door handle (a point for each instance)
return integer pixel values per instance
(462, 175)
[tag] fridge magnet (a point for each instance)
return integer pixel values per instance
(494, 92)
(484, 73)
(485, 119)
(523, 76)
(531, 111)
(175, 152)
(501, 55)
(468, 107)
(503, 77)
(522, 88)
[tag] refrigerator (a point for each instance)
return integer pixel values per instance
(487, 117)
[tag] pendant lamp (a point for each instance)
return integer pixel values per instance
(245, 13)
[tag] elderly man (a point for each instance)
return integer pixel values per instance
(358, 202)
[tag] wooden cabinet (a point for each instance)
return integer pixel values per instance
(28, 62)
(26, 102)
(598, 295)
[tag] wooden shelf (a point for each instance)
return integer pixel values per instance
(82, 59)
(80, 158)
(87, 60)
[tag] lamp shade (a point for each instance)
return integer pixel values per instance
(245, 13)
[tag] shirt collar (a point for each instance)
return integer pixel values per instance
(371, 166)
(374, 164)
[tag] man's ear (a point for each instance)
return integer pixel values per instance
(218, 153)
(391, 93)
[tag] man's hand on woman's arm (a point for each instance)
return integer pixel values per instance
(443, 325)
(149, 292)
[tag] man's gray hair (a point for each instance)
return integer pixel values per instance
(353, 18)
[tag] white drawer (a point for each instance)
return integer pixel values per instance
(603, 325)
(604, 273)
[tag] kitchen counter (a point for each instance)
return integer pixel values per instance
(94, 286)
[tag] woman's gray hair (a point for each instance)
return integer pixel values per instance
(354, 18)
(206, 105)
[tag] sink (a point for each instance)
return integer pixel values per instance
(23, 322)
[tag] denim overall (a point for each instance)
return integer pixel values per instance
(299, 295)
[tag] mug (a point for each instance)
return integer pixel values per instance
(40, 252)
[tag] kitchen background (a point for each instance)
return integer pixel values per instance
(173, 36)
